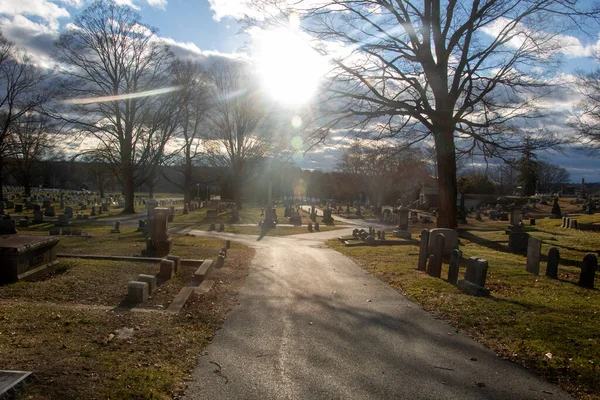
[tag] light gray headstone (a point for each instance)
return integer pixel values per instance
(534, 249)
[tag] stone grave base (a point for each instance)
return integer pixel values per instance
(473, 289)
(26, 257)
(159, 248)
(402, 234)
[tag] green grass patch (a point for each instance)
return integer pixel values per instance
(550, 326)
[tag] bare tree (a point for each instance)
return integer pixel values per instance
(586, 121)
(457, 71)
(32, 140)
(551, 177)
(193, 126)
(386, 171)
(241, 140)
(21, 91)
(116, 71)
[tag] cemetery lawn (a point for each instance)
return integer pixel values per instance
(68, 331)
(549, 326)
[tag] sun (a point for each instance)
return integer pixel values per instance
(289, 68)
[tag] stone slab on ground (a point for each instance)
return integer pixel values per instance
(179, 300)
(10, 379)
(204, 271)
(204, 287)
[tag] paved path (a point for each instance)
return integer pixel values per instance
(311, 324)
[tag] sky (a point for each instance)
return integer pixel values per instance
(205, 28)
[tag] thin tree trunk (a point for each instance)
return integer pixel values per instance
(1, 180)
(446, 166)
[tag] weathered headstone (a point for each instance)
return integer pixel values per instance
(518, 241)
(137, 292)
(317, 227)
(167, 269)
(116, 228)
(8, 227)
(38, 217)
(455, 257)
(450, 239)
(534, 249)
(63, 220)
(552, 266)
(423, 253)
(435, 269)
(176, 260)
(50, 212)
(69, 212)
(475, 277)
(310, 227)
(221, 227)
(150, 280)
(588, 271)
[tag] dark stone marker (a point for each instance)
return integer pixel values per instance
(532, 221)
(317, 227)
(228, 244)
(454, 266)
(552, 266)
(438, 252)
(423, 250)
(574, 224)
(564, 222)
(310, 227)
(588, 271)
(475, 276)
(430, 262)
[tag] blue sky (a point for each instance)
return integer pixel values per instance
(207, 27)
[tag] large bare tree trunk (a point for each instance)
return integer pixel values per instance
(128, 189)
(446, 164)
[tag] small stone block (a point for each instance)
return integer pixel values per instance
(167, 269)
(150, 280)
(176, 260)
(137, 292)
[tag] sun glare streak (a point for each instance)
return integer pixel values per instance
(128, 96)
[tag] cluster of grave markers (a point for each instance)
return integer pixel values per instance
(588, 266)
(435, 245)
(433, 248)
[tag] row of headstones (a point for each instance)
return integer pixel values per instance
(569, 223)
(144, 285)
(317, 227)
(588, 267)
(212, 227)
(55, 231)
(431, 258)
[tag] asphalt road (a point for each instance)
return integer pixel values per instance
(311, 324)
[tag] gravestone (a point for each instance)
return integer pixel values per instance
(454, 266)
(556, 212)
(69, 212)
(176, 260)
(116, 228)
(317, 227)
(159, 243)
(532, 221)
(38, 217)
(382, 235)
(221, 227)
(327, 218)
(150, 280)
(518, 241)
(167, 269)
(435, 268)
(137, 292)
(310, 227)
(93, 213)
(186, 209)
(588, 271)
(63, 220)
(450, 240)
(235, 216)
(423, 253)
(8, 227)
(552, 266)
(45, 203)
(534, 249)
(50, 212)
(25, 257)
(475, 277)
(211, 214)
(141, 226)
(18, 208)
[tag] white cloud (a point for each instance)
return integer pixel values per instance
(161, 4)
(46, 10)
